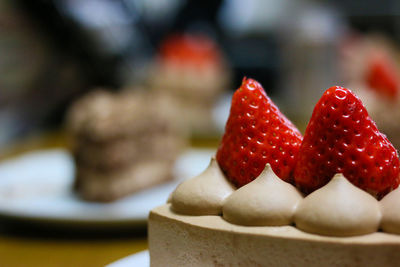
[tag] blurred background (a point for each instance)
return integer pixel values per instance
(54, 53)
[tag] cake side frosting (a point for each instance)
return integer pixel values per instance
(284, 231)
(182, 240)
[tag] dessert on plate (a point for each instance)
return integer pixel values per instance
(122, 142)
(191, 69)
(271, 197)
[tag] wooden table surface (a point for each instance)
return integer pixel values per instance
(22, 244)
(25, 250)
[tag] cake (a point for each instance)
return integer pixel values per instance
(271, 197)
(191, 69)
(122, 142)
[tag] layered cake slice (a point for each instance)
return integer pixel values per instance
(273, 198)
(122, 143)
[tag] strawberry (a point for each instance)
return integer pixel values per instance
(381, 75)
(190, 49)
(342, 138)
(257, 133)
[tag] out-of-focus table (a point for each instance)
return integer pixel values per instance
(29, 251)
(28, 246)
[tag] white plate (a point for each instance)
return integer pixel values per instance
(38, 186)
(140, 259)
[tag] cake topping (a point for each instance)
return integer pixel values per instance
(342, 138)
(265, 201)
(390, 206)
(338, 209)
(343, 162)
(257, 133)
(190, 50)
(381, 75)
(203, 194)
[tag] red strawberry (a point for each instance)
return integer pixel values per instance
(382, 76)
(342, 138)
(257, 133)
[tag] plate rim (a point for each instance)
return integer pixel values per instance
(76, 220)
(128, 259)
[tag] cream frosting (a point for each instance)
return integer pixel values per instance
(390, 206)
(338, 209)
(203, 194)
(266, 201)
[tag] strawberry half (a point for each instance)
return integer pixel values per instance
(257, 133)
(342, 138)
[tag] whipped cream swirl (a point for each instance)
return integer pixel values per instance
(266, 201)
(203, 194)
(336, 209)
(390, 206)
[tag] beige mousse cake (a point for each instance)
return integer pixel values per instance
(222, 226)
(245, 209)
